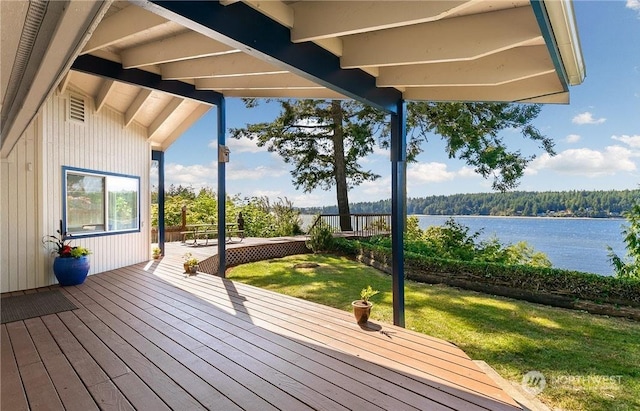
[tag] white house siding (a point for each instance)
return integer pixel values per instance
(32, 207)
(20, 264)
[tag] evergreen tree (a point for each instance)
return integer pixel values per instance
(324, 140)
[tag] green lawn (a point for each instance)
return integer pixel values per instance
(590, 362)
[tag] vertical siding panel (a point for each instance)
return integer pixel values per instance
(4, 225)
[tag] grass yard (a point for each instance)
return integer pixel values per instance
(590, 362)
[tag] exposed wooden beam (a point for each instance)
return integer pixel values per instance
(461, 38)
(237, 64)
(180, 47)
(188, 122)
(544, 85)
(270, 41)
(109, 69)
(275, 9)
(321, 93)
(314, 20)
(164, 115)
(508, 66)
(105, 90)
(124, 23)
(62, 87)
(136, 105)
(267, 81)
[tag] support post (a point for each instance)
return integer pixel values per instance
(158, 156)
(398, 207)
(222, 191)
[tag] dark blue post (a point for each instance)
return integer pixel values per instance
(398, 207)
(159, 157)
(222, 191)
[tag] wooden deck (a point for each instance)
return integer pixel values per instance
(148, 337)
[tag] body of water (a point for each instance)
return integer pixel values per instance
(571, 243)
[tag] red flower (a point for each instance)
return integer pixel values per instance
(66, 250)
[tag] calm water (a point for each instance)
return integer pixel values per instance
(570, 243)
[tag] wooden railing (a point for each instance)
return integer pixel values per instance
(363, 225)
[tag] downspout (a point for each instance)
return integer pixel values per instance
(398, 207)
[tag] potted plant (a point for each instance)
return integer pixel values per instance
(190, 263)
(362, 307)
(156, 251)
(71, 264)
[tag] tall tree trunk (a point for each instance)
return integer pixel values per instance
(339, 167)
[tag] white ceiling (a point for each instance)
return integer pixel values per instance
(467, 50)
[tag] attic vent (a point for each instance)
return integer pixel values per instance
(76, 108)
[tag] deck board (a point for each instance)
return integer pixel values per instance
(154, 338)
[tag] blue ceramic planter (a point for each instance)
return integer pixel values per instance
(71, 271)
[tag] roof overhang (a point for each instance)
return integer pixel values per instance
(378, 52)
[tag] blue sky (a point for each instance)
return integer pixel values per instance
(597, 135)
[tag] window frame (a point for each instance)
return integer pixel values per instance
(66, 170)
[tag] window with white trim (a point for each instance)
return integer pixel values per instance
(98, 203)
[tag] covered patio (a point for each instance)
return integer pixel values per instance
(148, 337)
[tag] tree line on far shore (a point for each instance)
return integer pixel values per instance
(595, 204)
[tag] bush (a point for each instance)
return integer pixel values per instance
(320, 237)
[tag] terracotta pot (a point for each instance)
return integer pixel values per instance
(186, 268)
(361, 310)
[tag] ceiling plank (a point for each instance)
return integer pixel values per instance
(237, 64)
(136, 105)
(314, 20)
(164, 115)
(175, 48)
(124, 23)
(544, 85)
(315, 93)
(267, 81)
(507, 66)
(107, 87)
(109, 69)
(461, 38)
(270, 41)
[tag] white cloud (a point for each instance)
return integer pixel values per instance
(196, 175)
(587, 118)
(238, 172)
(633, 5)
(572, 138)
(241, 145)
(632, 141)
(429, 173)
(372, 190)
(587, 162)
(201, 175)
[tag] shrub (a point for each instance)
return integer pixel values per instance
(629, 267)
(320, 237)
(563, 283)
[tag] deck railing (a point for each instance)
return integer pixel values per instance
(363, 225)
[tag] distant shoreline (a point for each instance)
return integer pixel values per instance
(516, 216)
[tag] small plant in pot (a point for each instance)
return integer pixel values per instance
(156, 251)
(71, 264)
(190, 263)
(362, 307)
